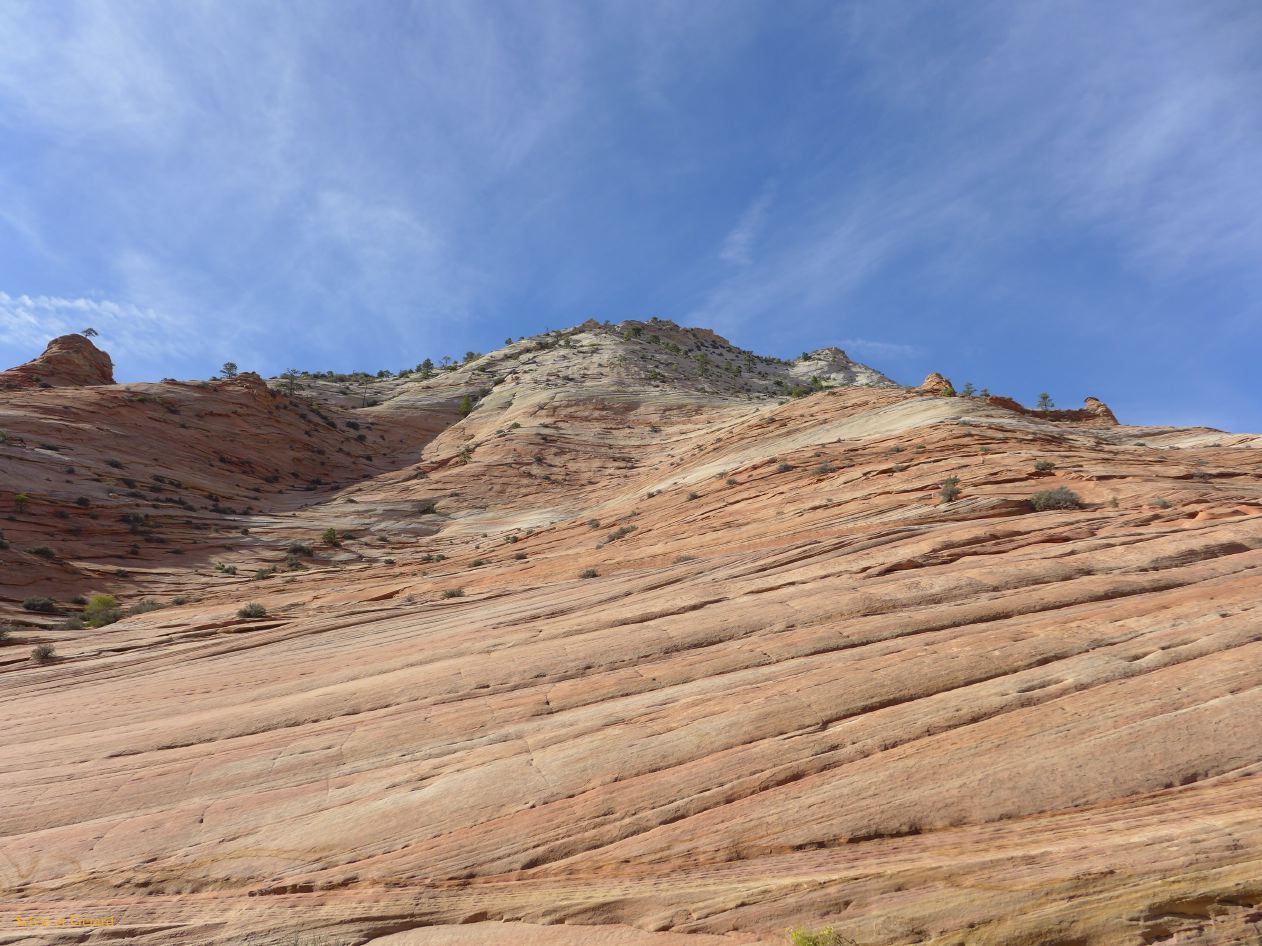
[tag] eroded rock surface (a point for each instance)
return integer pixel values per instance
(68, 361)
(799, 689)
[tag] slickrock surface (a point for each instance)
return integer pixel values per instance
(68, 361)
(795, 687)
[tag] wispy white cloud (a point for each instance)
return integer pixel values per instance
(28, 322)
(738, 244)
(1130, 129)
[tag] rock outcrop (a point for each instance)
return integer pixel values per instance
(630, 651)
(935, 383)
(68, 361)
(1094, 413)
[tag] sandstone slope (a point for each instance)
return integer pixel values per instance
(636, 652)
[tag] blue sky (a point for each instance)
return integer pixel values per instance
(1061, 196)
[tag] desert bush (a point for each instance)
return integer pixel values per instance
(593, 523)
(692, 496)
(330, 537)
(825, 937)
(520, 556)
(40, 605)
(825, 468)
(589, 573)
(1059, 498)
(477, 563)
(101, 610)
(43, 551)
(294, 563)
(453, 593)
(225, 569)
(1161, 503)
(6, 633)
(252, 610)
(144, 606)
(20, 502)
(43, 653)
(1044, 466)
(784, 468)
(950, 489)
(83, 502)
(300, 548)
(620, 533)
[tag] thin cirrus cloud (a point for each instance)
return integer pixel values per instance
(28, 322)
(739, 243)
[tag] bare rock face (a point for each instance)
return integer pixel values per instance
(598, 639)
(68, 361)
(935, 383)
(1101, 410)
(1094, 413)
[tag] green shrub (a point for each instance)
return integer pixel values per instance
(589, 573)
(144, 606)
(1044, 466)
(44, 653)
(1059, 498)
(1161, 503)
(950, 489)
(330, 537)
(825, 937)
(6, 631)
(264, 572)
(252, 611)
(477, 563)
(43, 551)
(300, 548)
(40, 605)
(784, 468)
(20, 501)
(520, 556)
(101, 610)
(453, 593)
(620, 533)
(593, 523)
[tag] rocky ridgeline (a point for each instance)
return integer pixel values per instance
(632, 357)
